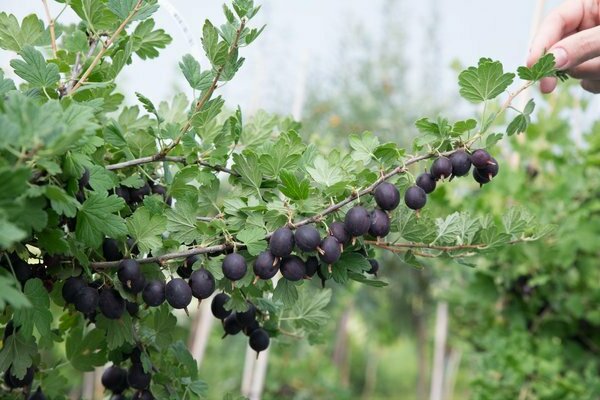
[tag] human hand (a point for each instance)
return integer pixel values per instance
(572, 33)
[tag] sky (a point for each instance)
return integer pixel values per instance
(302, 41)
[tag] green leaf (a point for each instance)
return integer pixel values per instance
(286, 292)
(464, 126)
(31, 32)
(118, 331)
(86, 351)
(122, 8)
(544, 67)
(292, 188)
(254, 239)
(6, 85)
(211, 109)
(518, 124)
(101, 179)
(38, 313)
(148, 106)
(96, 219)
(364, 146)
(10, 233)
(309, 311)
(34, 69)
(191, 70)
(246, 165)
(146, 229)
(352, 261)
(325, 173)
(162, 323)
(10, 292)
(146, 42)
(448, 229)
(492, 139)
(210, 40)
(362, 279)
(181, 221)
(18, 352)
(484, 82)
(388, 153)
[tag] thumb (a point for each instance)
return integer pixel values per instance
(577, 48)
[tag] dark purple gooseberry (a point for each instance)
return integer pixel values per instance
(293, 268)
(380, 223)
(266, 265)
(217, 306)
(330, 250)
(481, 179)
(461, 163)
(338, 230)
(178, 294)
(490, 171)
(259, 340)
(357, 221)
(154, 293)
(480, 158)
(234, 266)
(441, 168)
(415, 198)
(307, 238)
(374, 266)
(312, 265)
(426, 181)
(137, 195)
(111, 304)
(387, 196)
(202, 283)
(282, 242)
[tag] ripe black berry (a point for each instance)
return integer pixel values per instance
(234, 266)
(13, 382)
(380, 223)
(415, 198)
(185, 271)
(490, 170)
(9, 329)
(357, 221)
(202, 283)
(307, 238)
(162, 191)
(218, 306)
(84, 181)
(132, 308)
(38, 395)
(293, 268)
(123, 193)
(246, 318)
(481, 179)
(114, 379)
(259, 340)
(86, 300)
(461, 163)
(111, 304)
(71, 287)
(137, 195)
(441, 168)
(248, 329)
(281, 243)
(231, 326)
(143, 395)
(387, 196)
(22, 269)
(331, 250)
(137, 378)
(129, 270)
(426, 181)
(118, 397)
(111, 251)
(374, 267)
(178, 293)
(338, 230)
(480, 158)
(312, 265)
(266, 265)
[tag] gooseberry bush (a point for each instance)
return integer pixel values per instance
(114, 216)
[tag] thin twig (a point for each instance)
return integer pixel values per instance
(51, 25)
(160, 156)
(177, 159)
(403, 247)
(104, 48)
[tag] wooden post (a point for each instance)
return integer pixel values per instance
(439, 356)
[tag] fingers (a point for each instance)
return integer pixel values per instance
(577, 48)
(587, 70)
(547, 85)
(592, 86)
(563, 20)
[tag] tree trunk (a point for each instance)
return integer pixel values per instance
(201, 328)
(370, 373)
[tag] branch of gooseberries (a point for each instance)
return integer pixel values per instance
(355, 195)
(176, 159)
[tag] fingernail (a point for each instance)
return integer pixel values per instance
(560, 57)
